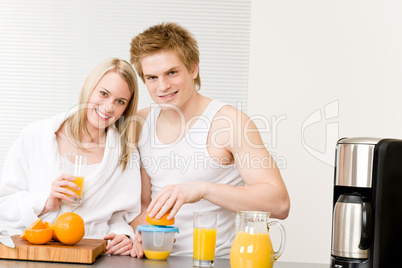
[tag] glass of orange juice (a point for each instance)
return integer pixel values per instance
(205, 226)
(74, 164)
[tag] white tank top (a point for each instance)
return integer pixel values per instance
(188, 160)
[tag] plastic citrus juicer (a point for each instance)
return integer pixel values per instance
(158, 237)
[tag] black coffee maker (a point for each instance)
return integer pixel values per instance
(367, 204)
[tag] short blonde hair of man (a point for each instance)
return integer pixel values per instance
(125, 125)
(167, 36)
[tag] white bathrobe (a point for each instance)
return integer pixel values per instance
(111, 198)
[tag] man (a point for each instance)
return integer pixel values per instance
(197, 154)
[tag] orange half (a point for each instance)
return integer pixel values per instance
(39, 236)
(161, 221)
(38, 224)
(49, 225)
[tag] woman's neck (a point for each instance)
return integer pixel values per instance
(96, 135)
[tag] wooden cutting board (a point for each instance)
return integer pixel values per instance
(84, 251)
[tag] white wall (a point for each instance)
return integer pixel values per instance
(308, 56)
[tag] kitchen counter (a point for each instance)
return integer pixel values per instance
(126, 261)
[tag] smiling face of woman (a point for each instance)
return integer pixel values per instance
(108, 101)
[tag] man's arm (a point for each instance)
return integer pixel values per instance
(137, 250)
(265, 189)
(145, 199)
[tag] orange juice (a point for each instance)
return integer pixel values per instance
(80, 183)
(251, 250)
(204, 240)
(156, 255)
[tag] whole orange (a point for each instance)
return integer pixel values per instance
(69, 228)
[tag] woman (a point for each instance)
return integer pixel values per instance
(101, 126)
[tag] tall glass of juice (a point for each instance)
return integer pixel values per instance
(205, 226)
(74, 164)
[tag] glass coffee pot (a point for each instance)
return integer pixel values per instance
(252, 246)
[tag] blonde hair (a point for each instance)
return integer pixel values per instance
(167, 36)
(77, 123)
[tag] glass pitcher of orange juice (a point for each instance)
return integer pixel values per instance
(252, 246)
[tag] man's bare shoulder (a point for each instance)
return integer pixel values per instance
(141, 117)
(235, 129)
(231, 122)
(143, 113)
(232, 114)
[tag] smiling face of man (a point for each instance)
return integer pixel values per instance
(167, 79)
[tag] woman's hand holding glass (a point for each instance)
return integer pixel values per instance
(59, 192)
